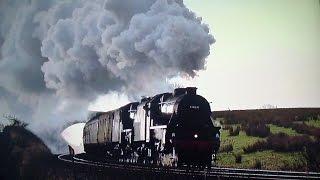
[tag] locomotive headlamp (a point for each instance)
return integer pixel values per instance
(217, 136)
(195, 136)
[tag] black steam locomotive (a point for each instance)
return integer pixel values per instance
(169, 129)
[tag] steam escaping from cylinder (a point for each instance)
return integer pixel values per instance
(57, 57)
(158, 134)
(73, 135)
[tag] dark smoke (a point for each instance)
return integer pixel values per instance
(58, 56)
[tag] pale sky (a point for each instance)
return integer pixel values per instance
(266, 52)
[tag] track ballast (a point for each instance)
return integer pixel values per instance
(214, 172)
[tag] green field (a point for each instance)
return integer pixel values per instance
(277, 129)
(314, 123)
(269, 159)
(238, 142)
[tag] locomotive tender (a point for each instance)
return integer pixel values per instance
(168, 129)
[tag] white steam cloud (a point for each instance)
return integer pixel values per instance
(58, 56)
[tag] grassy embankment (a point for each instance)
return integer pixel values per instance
(266, 159)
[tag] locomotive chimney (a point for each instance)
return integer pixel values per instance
(191, 90)
(144, 98)
(179, 91)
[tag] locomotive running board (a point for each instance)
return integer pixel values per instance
(159, 127)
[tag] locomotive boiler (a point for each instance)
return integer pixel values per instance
(167, 129)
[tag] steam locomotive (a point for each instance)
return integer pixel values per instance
(171, 129)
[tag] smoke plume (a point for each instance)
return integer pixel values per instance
(58, 56)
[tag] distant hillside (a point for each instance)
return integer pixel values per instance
(285, 114)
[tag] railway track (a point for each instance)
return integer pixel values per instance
(213, 172)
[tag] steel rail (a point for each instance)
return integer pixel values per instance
(214, 172)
